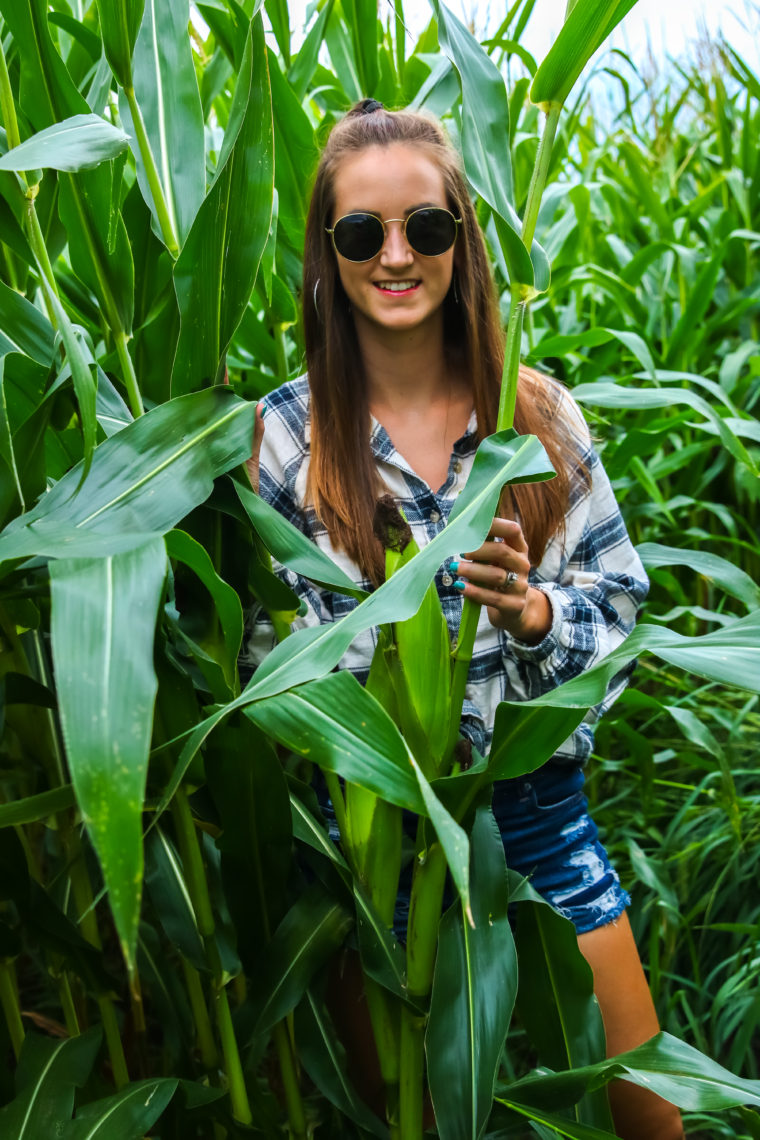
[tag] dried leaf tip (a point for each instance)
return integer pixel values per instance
(389, 525)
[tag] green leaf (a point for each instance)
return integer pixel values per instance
(23, 328)
(31, 809)
(305, 63)
(338, 725)
(361, 17)
(665, 1065)
(216, 270)
(98, 244)
(561, 344)
(525, 736)
(227, 611)
(556, 999)
(451, 836)
(424, 637)
(247, 783)
(47, 91)
(119, 25)
(730, 655)
(166, 89)
(290, 546)
(143, 479)
(501, 458)
(485, 145)
(697, 304)
(324, 1059)
(15, 497)
(485, 115)
(126, 1116)
(297, 156)
(82, 376)
(473, 993)
(585, 29)
(44, 923)
(102, 630)
(48, 1073)
(723, 573)
(78, 143)
(606, 395)
(557, 1125)
(311, 931)
(279, 18)
(166, 887)
(111, 411)
(382, 955)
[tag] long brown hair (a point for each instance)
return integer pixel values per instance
(343, 483)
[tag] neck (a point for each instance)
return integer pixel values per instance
(404, 368)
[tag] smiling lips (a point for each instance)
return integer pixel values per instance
(396, 287)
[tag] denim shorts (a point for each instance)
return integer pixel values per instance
(548, 837)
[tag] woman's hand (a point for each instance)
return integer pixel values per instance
(496, 576)
(252, 464)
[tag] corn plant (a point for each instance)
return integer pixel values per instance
(166, 870)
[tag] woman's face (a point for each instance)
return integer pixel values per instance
(398, 289)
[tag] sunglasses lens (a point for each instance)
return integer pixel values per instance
(358, 237)
(431, 231)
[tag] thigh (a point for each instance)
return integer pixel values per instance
(629, 1019)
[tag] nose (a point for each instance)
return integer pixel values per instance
(396, 250)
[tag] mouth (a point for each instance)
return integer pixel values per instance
(396, 288)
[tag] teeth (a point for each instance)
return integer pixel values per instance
(396, 286)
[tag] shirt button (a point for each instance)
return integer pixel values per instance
(456, 466)
(446, 579)
(435, 516)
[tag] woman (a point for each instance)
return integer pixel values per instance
(404, 351)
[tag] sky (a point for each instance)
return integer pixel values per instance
(662, 27)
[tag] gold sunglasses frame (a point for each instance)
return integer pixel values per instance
(384, 222)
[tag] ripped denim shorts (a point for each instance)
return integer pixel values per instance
(549, 837)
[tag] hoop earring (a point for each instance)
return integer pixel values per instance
(316, 304)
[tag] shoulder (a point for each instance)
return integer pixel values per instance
(287, 408)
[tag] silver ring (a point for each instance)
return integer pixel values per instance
(508, 582)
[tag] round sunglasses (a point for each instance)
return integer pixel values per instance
(431, 231)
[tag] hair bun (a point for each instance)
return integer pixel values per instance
(366, 107)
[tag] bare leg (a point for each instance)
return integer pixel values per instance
(629, 1019)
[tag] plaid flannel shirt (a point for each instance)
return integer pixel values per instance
(591, 574)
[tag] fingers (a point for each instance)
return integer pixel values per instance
(504, 533)
(503, 586)
(496, 576)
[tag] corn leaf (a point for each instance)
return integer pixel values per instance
(474, 990)
(216, 270)
(676, 1071)
(119, 25)
(78, 143)
(166, 89)
(143, 480)
(485, 145)
(48, 1074)
(102, 630)
(128, 1115)
(586, 28)
(727, 575)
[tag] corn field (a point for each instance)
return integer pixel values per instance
(171, 906)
